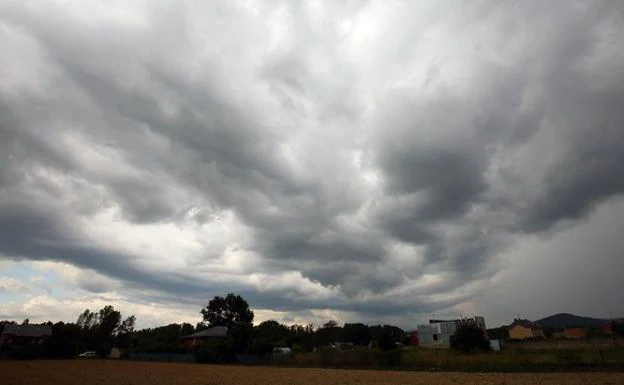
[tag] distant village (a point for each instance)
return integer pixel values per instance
(439, 332)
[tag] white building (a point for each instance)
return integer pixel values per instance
(439, 332)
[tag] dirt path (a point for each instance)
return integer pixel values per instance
(76, 372)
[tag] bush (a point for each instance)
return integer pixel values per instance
(103, 349)
(25, 352)
(387, 359)
(469, 339)
(386, 341)
(568, 356)
(213, 350)
(261, 347)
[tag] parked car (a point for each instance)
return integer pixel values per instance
(89, 354)
(282, 352)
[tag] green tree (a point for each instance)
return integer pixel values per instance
(356, 333)
(234, 312)
(125, 332)
(469, 339)
(329, 333)
(108, 321)
(618, 328)
(186, 329)
(387, 336)
(229, 311)
(64, 340)
(262, 346)
(273, 331)
(500, 333)
(330, 324)
(87, 319)
(101, 331)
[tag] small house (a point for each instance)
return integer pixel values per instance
(115, 353)
(412, 338)
(574, 333)
(524, 329)
(196, 339)
(19, 335)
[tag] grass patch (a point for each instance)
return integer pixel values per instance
(513, 360)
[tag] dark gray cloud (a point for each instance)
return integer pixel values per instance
(305, 156)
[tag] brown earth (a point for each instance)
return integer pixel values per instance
(146, 373)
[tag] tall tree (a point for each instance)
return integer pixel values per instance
(127, 325)
(272, 331)
(330, 324)
(109, 320)
(87, 319)
(229, 311)
(125, 332)
(103, 329)
(356, 333)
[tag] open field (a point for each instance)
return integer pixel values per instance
(515, 359)
(144, 373)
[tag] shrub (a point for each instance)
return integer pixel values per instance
(387, 359)
(103, 349)
(213, 350)
(261, 347)
(469, 339)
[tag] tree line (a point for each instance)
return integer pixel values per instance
(104, 329)
(243, 338)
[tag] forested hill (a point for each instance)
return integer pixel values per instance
(562, 320)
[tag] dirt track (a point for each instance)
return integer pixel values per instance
(142, 373)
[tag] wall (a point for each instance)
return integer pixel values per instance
(519, 332)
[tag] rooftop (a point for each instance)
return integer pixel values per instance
(525, 323)
(27, 330)
(215, 331)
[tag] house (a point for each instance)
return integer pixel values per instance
(196, 339)
(439, 332)
(574, 333)
(558, 335)
(19, 335)
(522, 329)
(412, 338)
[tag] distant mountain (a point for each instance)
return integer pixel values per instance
(562, 320)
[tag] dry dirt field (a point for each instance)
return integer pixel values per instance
(144, 373)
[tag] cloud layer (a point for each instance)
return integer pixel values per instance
(367, 157)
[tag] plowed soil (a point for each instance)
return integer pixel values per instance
(94, 372)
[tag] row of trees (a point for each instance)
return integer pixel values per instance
(233, 311)
(104, 329)
(243, 338)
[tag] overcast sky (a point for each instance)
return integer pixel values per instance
(371, 161)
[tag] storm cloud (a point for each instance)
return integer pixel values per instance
(369, 157)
